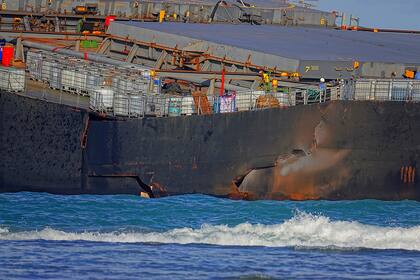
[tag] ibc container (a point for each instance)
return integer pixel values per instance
(94, 79)
(74, 80)
(107, 96)
(292, 99)
(283, 99)
(115, 85)
(4, 78)
(227, 103)
(142, 86)
(125, 84)
(80, 76)
(136, 105)
(12, 79)
(34, 60)
(121, 105)
(245, 101)
(17, 80)
(174, 106)
(94, 101)
(46, 69)
(67, 78)
(102, 99)
(55, 76)
(135, 84)
(187, 105)
(156, 105)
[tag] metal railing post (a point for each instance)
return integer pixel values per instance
(250, 105)
(391, 84)
(199, 105)
(409, 94)
(144, 104)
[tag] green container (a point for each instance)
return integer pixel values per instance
(89, 44)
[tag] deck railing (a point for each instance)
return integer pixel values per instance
(140, 105)
(381, 90)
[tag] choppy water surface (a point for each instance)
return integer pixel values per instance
(47, 236)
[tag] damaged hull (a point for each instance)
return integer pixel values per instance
(338, 150)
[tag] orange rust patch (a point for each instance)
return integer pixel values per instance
(235, 194)
(194, 164)
(158, 190)
(309, 177)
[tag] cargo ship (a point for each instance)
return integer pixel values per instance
(335, 125)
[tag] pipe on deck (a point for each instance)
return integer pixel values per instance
(111, 61)
(87, 56)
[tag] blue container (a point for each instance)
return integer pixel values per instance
(417, 77)
(175, 105)
(216, 105)
(1, 53)
(225, 104)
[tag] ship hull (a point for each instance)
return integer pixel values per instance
(337, 150)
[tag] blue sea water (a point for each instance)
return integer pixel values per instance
(45, 236)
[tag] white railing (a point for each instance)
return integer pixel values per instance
(159, 105)
(382, 90)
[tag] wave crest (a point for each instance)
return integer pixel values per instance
(303, 230)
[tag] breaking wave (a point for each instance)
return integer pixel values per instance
(303, 230)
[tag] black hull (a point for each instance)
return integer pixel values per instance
(338, 150)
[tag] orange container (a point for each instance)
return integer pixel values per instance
(8, 54)
(409, 74)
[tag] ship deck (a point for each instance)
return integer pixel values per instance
(311, 52)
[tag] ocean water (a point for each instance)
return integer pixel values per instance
(45, 236)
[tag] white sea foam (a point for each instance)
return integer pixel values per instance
(303, 230)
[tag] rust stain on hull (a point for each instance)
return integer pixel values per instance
(299, 177)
